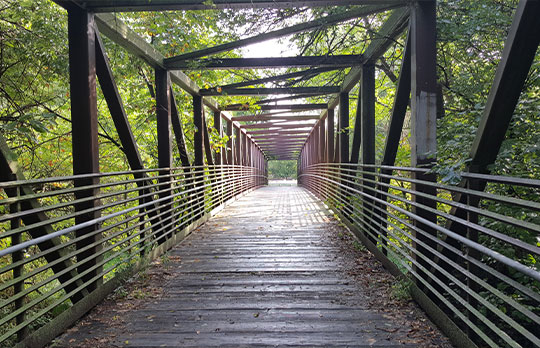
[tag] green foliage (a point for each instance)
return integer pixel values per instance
(282, 169)
(401, 289)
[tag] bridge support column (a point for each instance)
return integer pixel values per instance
(343, 154)
(395, 128)
(163, 118)
(219, 158)
(198, 161)
(330, 135)
(230, 147)
(238, 156)
(322, 138)
(82, 70)
(423, 119)
(367, 119)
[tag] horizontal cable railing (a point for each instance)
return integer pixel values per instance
(472, 248)
(48, 261)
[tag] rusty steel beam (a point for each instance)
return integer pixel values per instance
(297, 28)
(399, 108)
(299, 131)
(276, 125)
(179, 133)
(84, 120)
(336, 61)
(275, 118)
(207, 146)
(164, 145)
(269, 91)
(247, 106)
(423, 120)
(218, 127)
(186, 5)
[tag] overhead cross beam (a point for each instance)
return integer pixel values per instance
(186, 5)
(246, 106)
(308, 72)
(268, 91)
(298, 131)
(301, 27)
(275, 118)
(337, 61)
(384, 38)
(277, 125)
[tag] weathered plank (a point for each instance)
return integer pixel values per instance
(264, 272)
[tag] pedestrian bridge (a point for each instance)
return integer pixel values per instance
(205, 253)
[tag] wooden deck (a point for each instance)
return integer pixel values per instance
(266, 271)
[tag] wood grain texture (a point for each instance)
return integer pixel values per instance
(269, 270)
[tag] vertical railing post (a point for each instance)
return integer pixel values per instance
(230, 149)
(164, 148)
(84, 122)
(330, 124)
(423, 119)
(330, 135)
(238, 159)
(322, 145)
(230, 154)
(219, 157)
(344, 146)
(198, 145)
(367, 91)
(17, 256)
(473, 185)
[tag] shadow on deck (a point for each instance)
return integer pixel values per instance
(273, 269)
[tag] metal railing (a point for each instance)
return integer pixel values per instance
(471, 248)
(47, 265)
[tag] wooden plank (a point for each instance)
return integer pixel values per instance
(335, 61)
(170, 5)
(268, 91)
(319, 23)
(262, 273)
